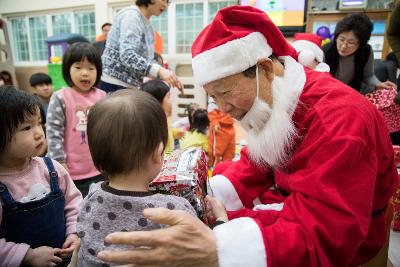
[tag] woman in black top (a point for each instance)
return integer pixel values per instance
(350, 57)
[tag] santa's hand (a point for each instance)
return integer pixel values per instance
(217, 209)
(71, 242)
(186, 242)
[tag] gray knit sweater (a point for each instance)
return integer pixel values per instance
(106, 210)
(129, 52)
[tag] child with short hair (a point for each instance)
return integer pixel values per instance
(161, 91)
(39, 201)
(42, 87)
(67, 114)
(197, 134)
(127, 135)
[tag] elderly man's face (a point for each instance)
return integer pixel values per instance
(235, 94)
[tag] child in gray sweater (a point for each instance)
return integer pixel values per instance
(127, 133)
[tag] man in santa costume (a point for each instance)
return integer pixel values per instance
(313, 184)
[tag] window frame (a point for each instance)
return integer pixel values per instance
(49, 27)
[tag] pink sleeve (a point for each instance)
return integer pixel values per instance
(12, 254)
(241, 183)
(73, 198)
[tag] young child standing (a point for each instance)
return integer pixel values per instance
(39, 201)
(197, 134)
(43, 88)
(161, 91)
(67, 114)
(127, 135)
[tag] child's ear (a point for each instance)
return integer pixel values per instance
(158, 155)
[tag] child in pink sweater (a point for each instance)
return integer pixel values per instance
(67, 114)
(39, 201)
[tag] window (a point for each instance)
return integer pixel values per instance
(160, 24)
(61, 23)
(38, 35)
(213, 7)
(85, 25)
(189, 22)
(20, 37)
(30, 33)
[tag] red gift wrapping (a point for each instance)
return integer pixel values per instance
(184, 174)
(396, 196)
(383, 100)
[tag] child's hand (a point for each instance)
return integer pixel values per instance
(74, 258)
(69, 245)
(217, 211)
(42, 257)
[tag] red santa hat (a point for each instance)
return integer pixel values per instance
(237, 38)
(308, 45)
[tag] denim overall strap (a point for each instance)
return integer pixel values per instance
(6, 198)
(37, 223)
(53, 174)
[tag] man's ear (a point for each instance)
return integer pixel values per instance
(266, 65)
(158, 155)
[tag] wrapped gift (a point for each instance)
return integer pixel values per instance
(383, 100)
(184, 174)
(396, 196)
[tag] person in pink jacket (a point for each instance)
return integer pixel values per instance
(39, 201)
(312, 186)
(68, 111)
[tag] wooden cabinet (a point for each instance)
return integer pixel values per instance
(379, 17)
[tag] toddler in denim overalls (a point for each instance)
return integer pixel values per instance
(39, 201)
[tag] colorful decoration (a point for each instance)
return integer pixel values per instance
(325, 41)
(324, 32)
(55, 59)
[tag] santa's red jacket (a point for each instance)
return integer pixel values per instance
(329, 200)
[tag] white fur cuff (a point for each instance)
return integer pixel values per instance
(240, 243)
(222, 189)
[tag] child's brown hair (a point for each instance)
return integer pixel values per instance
(124, 130)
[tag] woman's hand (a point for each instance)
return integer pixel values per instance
(187, 242)
(385, 85)
(170, 77)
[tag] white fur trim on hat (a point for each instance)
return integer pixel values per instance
(230, 58)
(322, 67)
(301, 45)
(240, 243)
(306, 58)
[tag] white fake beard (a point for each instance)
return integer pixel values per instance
(256, 118)
(270, 132)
